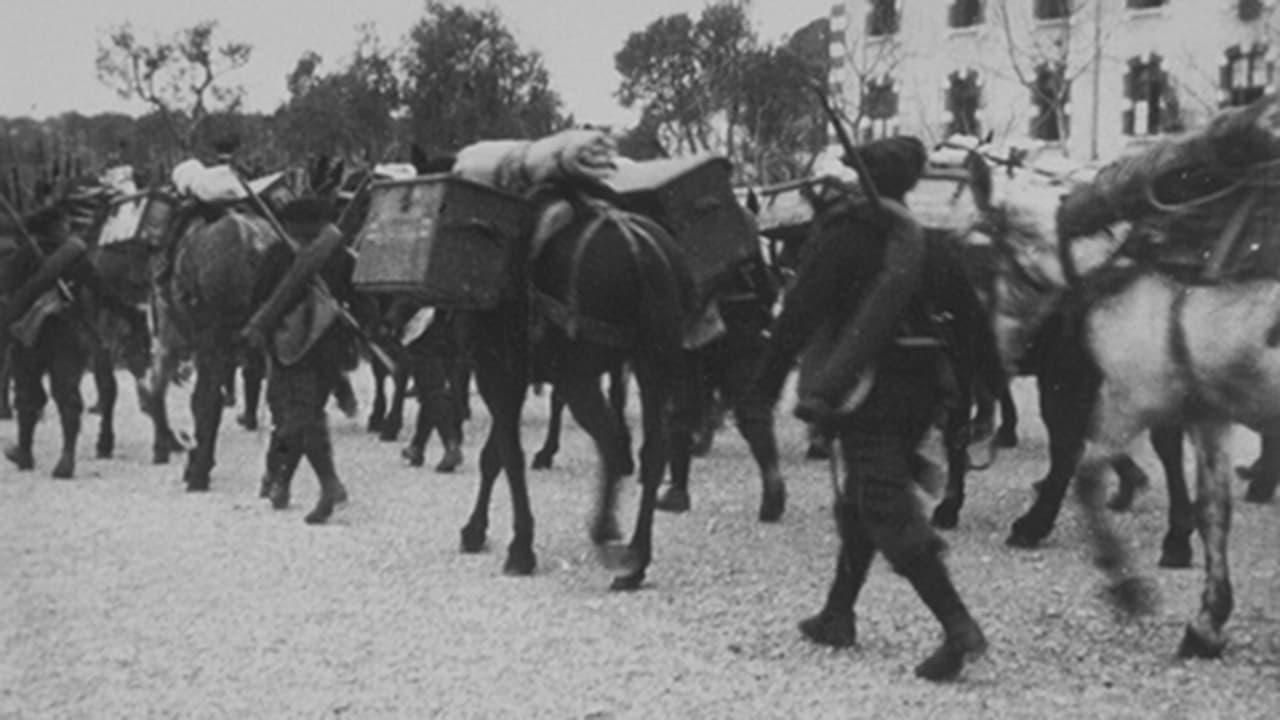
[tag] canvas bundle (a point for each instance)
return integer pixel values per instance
(1190, 192)
(518, 165)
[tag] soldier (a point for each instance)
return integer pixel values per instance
(304, 365)
(857, 293)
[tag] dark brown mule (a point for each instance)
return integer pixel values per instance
(1023, 293)
(619, 292)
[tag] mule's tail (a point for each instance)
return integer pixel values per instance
(667, 299)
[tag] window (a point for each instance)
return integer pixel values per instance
(1050, 95)
(1153, 106)
(1144, 4)
(1249, 10)
(1053, 9)
(879, 108)
(1246, 75)
(964, 98)
(965, 13)
(884, 18)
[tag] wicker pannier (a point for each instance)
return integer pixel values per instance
(444, 240)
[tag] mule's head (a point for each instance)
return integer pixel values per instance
(1028, 279)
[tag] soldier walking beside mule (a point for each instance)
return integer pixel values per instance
(857, 297)
(297, 325)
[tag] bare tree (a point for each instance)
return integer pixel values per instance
(1050, 45)
(182, 79)
(869, 64)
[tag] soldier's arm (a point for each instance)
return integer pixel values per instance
(880, 312)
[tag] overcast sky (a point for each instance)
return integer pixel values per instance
(47, 47)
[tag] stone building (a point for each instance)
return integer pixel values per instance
(1093, 78)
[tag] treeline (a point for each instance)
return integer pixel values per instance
(458, 76)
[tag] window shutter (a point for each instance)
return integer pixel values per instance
(1126, 122)
(1249, 10)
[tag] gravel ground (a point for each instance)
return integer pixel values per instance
(123, 596)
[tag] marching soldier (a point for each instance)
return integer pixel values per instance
(858, 290)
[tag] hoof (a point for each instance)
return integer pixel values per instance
(773, 505)
(1121, 501)
(605, 530)
(627, 466)
(279, 495)
(520, 560)
(1196, 645)
(264, 486)
(955, 652)
(451, 460)
(818, 452)
(105, 450)
(414, 455)
(20, 457)
(160, 456)
(947, 515)
(65, 469)
(1259, 492)
(321, 513)
(628, 582)
(248, 422)
(1175, 553)
(1023, 536)
(702, 443)
(196, 482)
(831, 629)
(542, 460)
(674, 500)
(348, 405)
(1133, 597)
(374, 425)
(1006, 438)
(389, 434)
(473, 539)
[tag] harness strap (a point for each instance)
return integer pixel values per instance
(1230, 235)
(1179, 351)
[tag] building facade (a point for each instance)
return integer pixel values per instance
(1093, 78)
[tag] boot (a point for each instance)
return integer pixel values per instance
(963, 640)
(319, 452)
(836, 624)
(20, 453)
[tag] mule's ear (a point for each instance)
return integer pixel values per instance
(753, 202)
(980, 182)
(418, 157)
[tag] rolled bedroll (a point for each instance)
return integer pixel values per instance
(302, 272)
(1179, 172)
(44, 279)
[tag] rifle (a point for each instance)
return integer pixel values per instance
(63, 289)
(382, 356)
(851, 151)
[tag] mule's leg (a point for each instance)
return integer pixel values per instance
(254, 369)
(1265, 471)
(755, 423)
(394, 419)
(6, 378)
(1132, 480)
(955, 439)
(1175, 550)
(546, 455)
(686, 417)
(591, 411)
(1007, 433)
(108, 391)
(477, 527)
(1116, 423)
(67, 364)
(229, 386)
(1204, 636)
(654, 394)
(378, 412)
(618, 403)
(1067, 392)
(153, 400)
(206, 410)
(29, 399)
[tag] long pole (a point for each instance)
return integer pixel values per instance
(381, 355)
